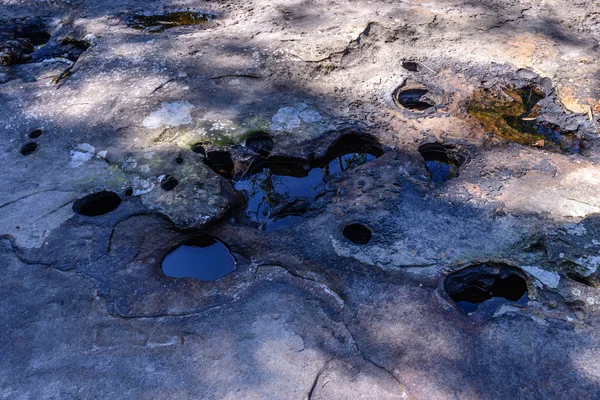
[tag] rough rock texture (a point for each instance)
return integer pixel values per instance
(87, 311)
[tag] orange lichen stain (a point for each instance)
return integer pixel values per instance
(573, 101)
(526, 48)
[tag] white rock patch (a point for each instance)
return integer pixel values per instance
(82, 154)
(288, 118)
(169, 115)
(310, 116)
(548, 278)
(285, 119)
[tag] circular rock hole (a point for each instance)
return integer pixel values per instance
(28, 148)
(179, 160)
(221, 162)
(261, 143)
(357, 233)
(484, 288)
(35, 134)
(128, 192)
(169, 183)
(202, 257)
(96, 204)
(198, 148)
(413, 99)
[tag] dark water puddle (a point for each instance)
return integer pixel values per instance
(442, 166)
(483, 289)
(413, 99)
(281, 189)
(34, 134)
(96, 204)
(202, 257)
(160, 22)
(357, 233)
(410, 66)
(221, 162)
(169, 183)
(513, 113)
(260, 143)
(28, 148)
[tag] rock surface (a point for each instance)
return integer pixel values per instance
(87, 311)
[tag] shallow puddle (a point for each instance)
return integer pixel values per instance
(485, 288)
(281, 189)
(441, 165)
(158, 23)
(513, 114)
(97, 204)
(202, 257)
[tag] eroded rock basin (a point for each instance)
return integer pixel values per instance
(326, 200)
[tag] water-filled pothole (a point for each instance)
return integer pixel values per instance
(221, 162)
(28, 148)
(513, 113)
(179, 160)
(260, 143)
(441, 164)
(413, 99)
(96, 204)
(357, 233)
(202, 257)
(159, 22)
(169, 183)
(281, 189)
(485, 288)
(34, 134)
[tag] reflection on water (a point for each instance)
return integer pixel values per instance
(442, 167)
(202, 257)
(278, 196)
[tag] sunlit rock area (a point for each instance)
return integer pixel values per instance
(300, 199)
